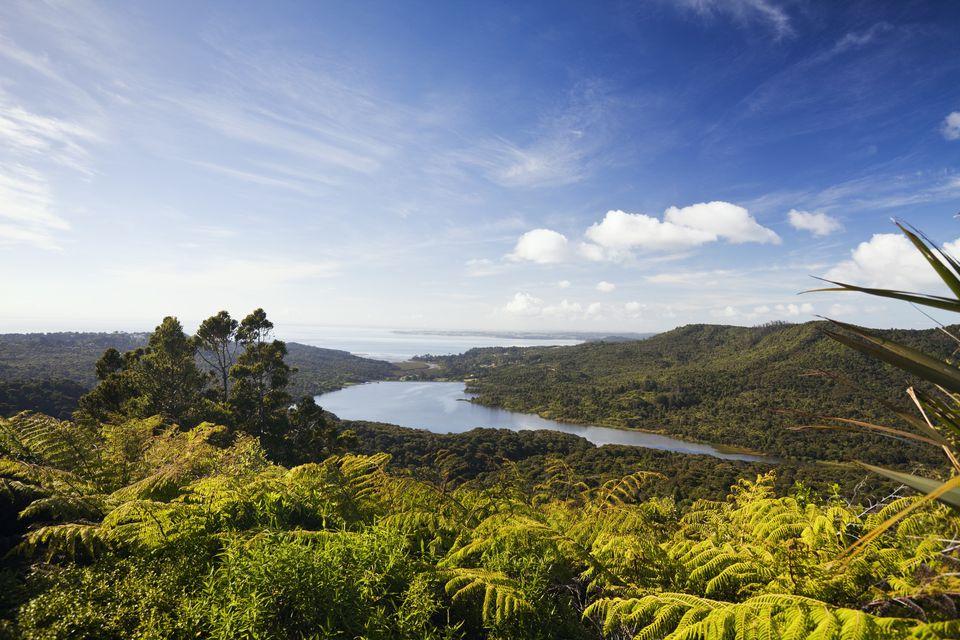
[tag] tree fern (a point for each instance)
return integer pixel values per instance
(498, 595)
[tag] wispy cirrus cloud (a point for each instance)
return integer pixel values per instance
(879, 190)
(765, 12)
(563, 148)
(28, 214)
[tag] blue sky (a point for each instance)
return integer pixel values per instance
(495, 165)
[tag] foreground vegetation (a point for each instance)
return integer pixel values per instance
(148, 531)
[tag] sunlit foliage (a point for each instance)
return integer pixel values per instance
(141, 530)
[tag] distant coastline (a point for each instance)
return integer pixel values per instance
(585, 336)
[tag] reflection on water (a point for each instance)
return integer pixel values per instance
(441, 407)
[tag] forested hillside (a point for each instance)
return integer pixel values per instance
(715, 383)
(490, 457)
(67, 355)
(49, 371)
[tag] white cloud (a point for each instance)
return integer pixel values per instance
(29, 141)
(561, 150)
(726, 220)
(230, 274)
(605, 287)
(12, 234)
(480, 267)
(524, 304)
(727, 312)
(890, 261)
(838, 310)
(26, 206)
(593, 252)
(817, 223)
(623, 231)
(543, 246)
(681, 228)
(697, 278)
(794, 309)
(761, 310)
(951, 126)
(565, 309)
(564, 284)
(743, 11)
(51, 138)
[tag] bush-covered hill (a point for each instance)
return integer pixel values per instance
(57, 398)
(491, 457)
(68, 355)
(715, 383)
(319, 370)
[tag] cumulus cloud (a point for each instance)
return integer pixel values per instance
(620, 233)
(837, 310)
(681, 228)
(794, 309)
(529, 306)
(543, 246)
(724, 219)
(524, 304)
(605, 287)
(593, 252)
(890, 261)
(565, 309)
(951, 126)
(817, 223)
(564, 284)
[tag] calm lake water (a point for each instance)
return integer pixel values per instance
(442, 407)
(385, 344)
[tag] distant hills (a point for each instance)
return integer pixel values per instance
(585, 336)
(715, 383)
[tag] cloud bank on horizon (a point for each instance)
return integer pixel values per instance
(492, 166)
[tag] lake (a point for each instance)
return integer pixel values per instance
(443, 407)
(396, 346)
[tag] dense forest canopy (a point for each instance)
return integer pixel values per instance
(141, 529)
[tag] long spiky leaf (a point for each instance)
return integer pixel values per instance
(898, 355)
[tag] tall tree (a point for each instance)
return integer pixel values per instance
(217, 346)
(310, 436)
(260, 378)
(113, 394)
(166, 377)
